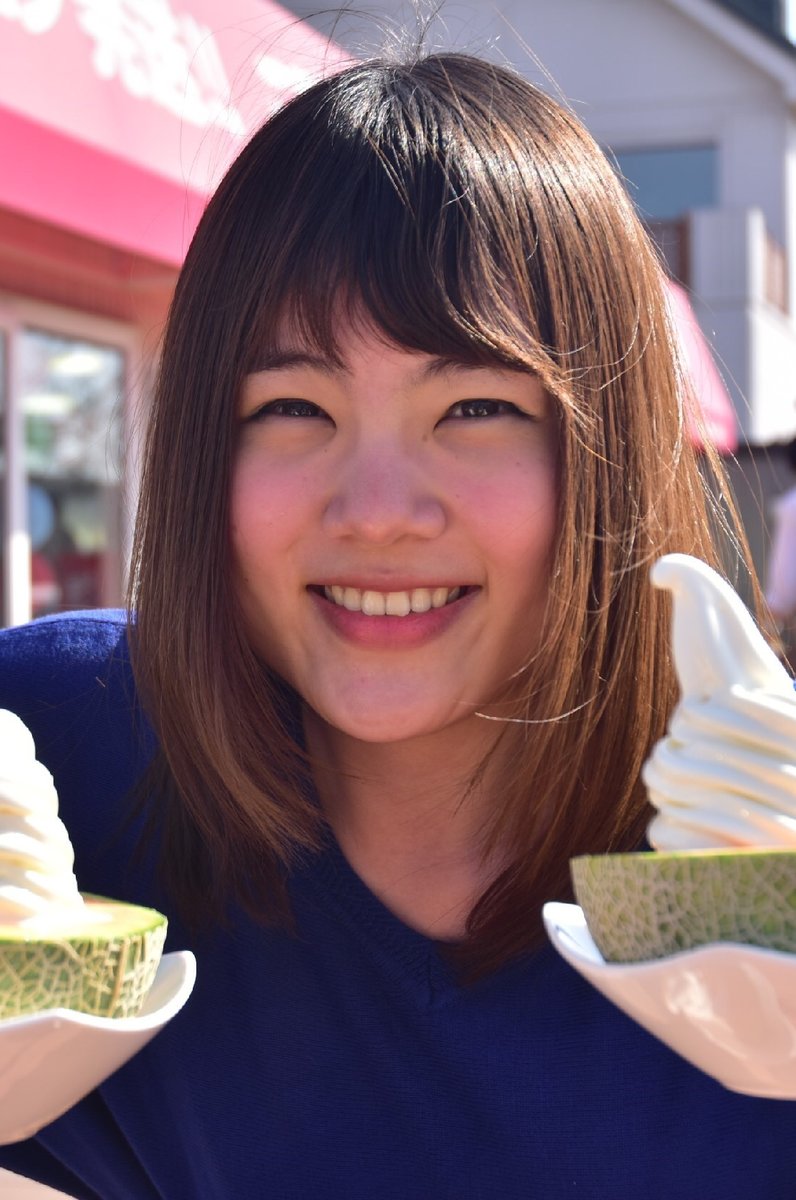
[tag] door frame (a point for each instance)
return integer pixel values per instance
(17, 314)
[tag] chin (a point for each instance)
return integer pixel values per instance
(389, 725)
(379, 732)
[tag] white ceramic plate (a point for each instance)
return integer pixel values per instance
(52, 1059)
(729, 1009)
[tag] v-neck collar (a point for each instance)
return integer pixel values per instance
(409, 957)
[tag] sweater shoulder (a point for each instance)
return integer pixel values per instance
(76, 635)
(54, 659)
(70, 680)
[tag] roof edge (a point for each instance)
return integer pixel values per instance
(764, 49)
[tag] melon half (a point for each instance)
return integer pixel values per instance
(102, 962)
(648, 905)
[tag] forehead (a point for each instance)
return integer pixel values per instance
(353, 338)
(373, 358)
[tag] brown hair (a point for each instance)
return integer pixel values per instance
(470, 215)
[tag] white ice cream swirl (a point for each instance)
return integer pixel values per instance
(725, 775)
(36, 857)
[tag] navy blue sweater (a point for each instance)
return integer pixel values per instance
(344, 1061)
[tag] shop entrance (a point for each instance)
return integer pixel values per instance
(62, 394)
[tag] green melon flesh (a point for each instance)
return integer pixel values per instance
(105, 967)
(647, 905)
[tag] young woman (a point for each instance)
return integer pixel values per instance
(394, 659)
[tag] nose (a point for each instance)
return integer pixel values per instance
(382, 494)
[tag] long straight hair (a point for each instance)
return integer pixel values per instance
(465, 213)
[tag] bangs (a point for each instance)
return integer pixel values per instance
(387, 215)
(448, 204)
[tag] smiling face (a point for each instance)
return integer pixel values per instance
(393, 516)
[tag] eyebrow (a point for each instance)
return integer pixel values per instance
(438, 364)
(285, 360)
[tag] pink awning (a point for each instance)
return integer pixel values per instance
(118, 118)
(717, 415)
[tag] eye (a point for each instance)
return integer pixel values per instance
(480, 410)
(292, 409)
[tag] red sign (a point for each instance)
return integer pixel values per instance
(118, 117)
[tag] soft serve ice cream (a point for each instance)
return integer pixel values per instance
(723, 782)
(59, 949)
(725, 775)
(37, 876)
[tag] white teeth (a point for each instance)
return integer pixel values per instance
(373, 604)
(391, 604)
(398, 604)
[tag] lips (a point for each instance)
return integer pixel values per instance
(399, 626)
(372, 603)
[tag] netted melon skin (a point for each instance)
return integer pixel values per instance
(649, 905)
(102, 973)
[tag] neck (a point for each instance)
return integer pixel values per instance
(410, 826)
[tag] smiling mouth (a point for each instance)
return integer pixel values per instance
(391, 604)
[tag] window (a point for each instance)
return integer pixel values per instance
(664, 183)
(70, 392)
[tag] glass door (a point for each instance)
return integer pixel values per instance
(61, 459)
(70, 392)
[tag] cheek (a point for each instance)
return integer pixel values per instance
(523, 534)
(264, 511)
(244, 524)
(257, 542)
(517, 516)
(256, 551)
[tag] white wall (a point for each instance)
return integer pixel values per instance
(756, 343)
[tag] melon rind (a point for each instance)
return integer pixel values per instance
(649, 905)
(105, 968)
